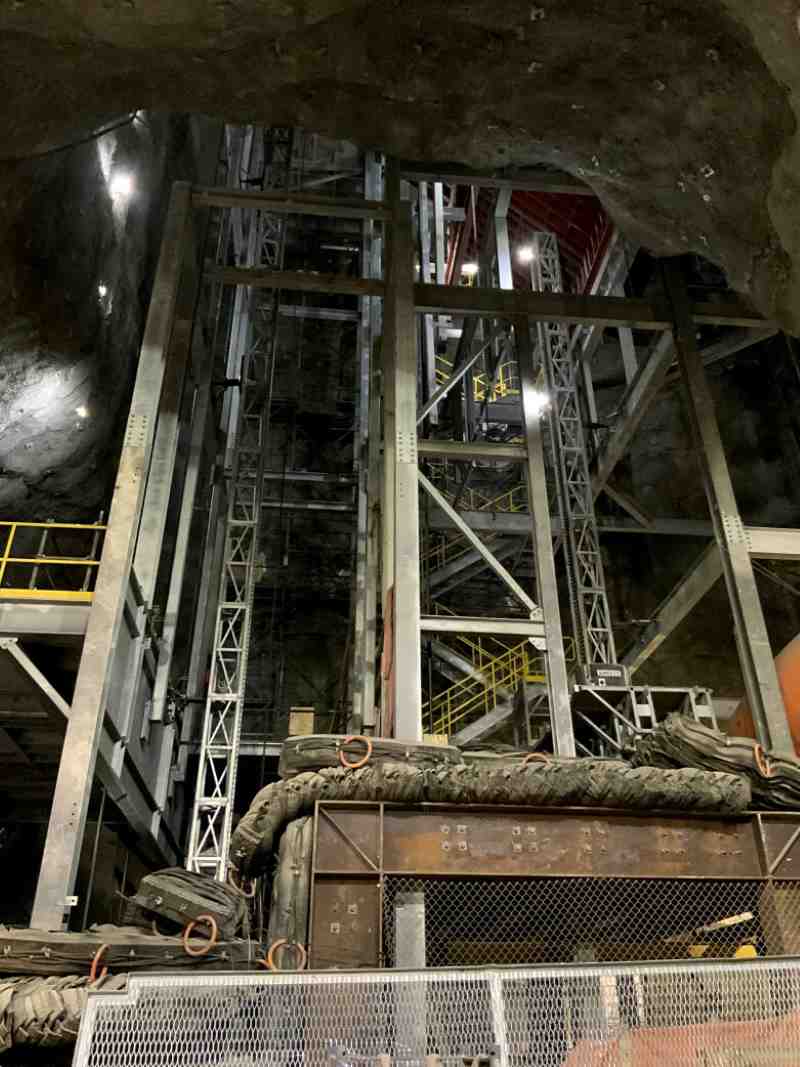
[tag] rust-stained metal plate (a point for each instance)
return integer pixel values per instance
(487, 843)
(345, 928)
(782, 844)
(348, 840)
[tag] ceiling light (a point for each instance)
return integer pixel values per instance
(121, 186)
(539, 401)
(470, 269)
(526, 254)
(82, 411)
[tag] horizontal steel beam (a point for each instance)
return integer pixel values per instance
(306, 505)
(469, 450)
(296, 281)
(452, 624)
(291, 203)
(321, 477)
(56, 620)
(572, 308)
(543, 181)
(773, 542)
(298, 311)
(519, 522)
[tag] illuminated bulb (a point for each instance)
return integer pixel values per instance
(102, 290)
(470, 269)
(526, 254)
(540, 401)
(121, 186)
(82, 411)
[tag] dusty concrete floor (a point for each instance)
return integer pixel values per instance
(681, 115)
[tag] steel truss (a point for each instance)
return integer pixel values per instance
(253, 332)
(588, 601)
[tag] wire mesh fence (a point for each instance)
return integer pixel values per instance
(512, 921)
(726, 1013)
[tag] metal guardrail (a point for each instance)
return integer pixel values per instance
(55, 562)
(689, 1013)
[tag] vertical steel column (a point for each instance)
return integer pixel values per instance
(590, 614)
(755, 655)
(427, 331)
(366, 544)
(546, 584)
(400, 343)
(79, 753)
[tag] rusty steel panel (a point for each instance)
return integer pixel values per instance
(345, 930)
(348, 840)
(782, 844)
(488, 843)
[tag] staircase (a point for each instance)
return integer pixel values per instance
(486, 675)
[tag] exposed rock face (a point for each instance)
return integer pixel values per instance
(681, 115)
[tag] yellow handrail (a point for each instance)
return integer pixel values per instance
(26, 561)
(474, 696)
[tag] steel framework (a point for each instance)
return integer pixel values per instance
(587, 588)
(216, 776)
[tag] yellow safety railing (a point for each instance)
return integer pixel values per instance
(506, 380)
(500, 666)
(473, 697)
(49, 561)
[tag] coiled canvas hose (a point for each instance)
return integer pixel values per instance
(560, 783)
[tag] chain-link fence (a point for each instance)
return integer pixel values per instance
(728, 1013)
(511, 921)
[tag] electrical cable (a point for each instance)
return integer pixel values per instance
(131, 118)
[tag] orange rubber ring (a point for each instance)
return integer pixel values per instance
(359, 763)
(539, 757)
(206, 948)
(239, 888)
(269, 962)
(762, 763)
(95, 960)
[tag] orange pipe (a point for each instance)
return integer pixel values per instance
(787, 664)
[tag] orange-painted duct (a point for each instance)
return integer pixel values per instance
(787, 663)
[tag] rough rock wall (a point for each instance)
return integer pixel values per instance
(76, 263)
(681, 115)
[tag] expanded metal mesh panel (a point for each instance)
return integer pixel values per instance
(476, 922)
(741, 1013)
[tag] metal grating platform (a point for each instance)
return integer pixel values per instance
(742, 1013)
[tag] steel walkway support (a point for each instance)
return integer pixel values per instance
(211, 824)
(588, 600)
(752, 640)
(79, 753)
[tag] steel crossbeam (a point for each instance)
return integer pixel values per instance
(588, 601)
(219, 749)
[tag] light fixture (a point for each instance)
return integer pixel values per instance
(121, 185)
(539, 401)
(102, 291)
(526, 254)
(82, 411)
(470, 269)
